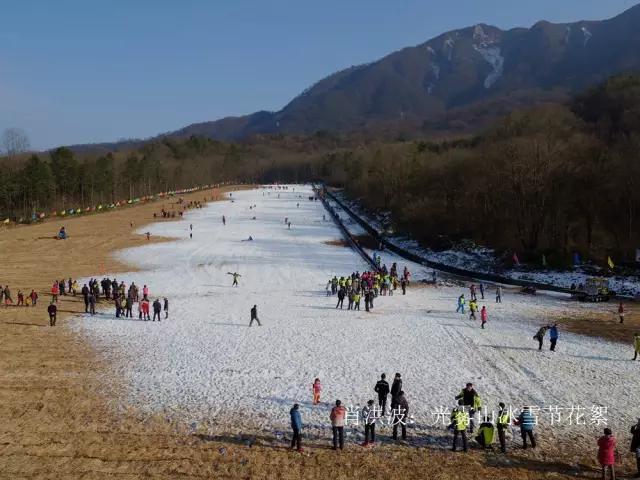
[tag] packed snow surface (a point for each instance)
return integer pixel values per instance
(204, 363)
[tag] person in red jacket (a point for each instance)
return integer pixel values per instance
(483, 315)
(607, 453)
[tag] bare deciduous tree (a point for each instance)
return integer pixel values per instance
(14, 141)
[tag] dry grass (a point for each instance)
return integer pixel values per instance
(54, 423)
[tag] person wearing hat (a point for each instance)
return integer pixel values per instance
(296, 426)
(369, 418)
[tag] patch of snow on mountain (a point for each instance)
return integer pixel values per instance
(436, 70)
(587, 35)
(493, 57)
(431, 50)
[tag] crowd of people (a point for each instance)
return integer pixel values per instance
(366, 286)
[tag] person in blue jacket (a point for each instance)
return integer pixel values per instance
(296, 426)
(553, 336)
(526, 421)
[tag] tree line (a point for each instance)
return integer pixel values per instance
(552, 180)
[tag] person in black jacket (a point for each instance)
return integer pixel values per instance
(85, 296)
(254, 315)
(157, 308)
(382, 389)
(341, 294)
(635, 444)
(400, 415)
(52, 310)
(471, 400)
(396, 388)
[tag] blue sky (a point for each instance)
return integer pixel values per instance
(76, 71)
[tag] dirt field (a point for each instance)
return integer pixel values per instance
(55, 424)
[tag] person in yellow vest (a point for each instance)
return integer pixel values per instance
(459, 421)
(504, 420)
(471, 400)
(486, 433)
(636, 344)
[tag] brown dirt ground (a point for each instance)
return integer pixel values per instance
(55, 423)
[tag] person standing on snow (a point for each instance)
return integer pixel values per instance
(504, 420)
(337, 417)
(382, 389)
(471, 400)
(369, 419)
(498, 294)
(636, 344)
(254, 316)
(157, 308)
(92, 303)
(403, 285)
(166, 308)
(472, 292)
(400, 415)
(481, 290)
(635, 444)
(396, 388)
(296, 426)
(224, 220)
(553, 336)
(461, 303)
(316, 388)
(473, 308)
(526, 421)
(459, 420)
(483, 316)
(235, 275)
(540, 336)
(607, 453)
(341, 294)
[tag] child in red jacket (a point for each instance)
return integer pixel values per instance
(607, 453)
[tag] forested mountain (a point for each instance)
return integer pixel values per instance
(459, 81)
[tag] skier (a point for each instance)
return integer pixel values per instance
(254, 316)
(498, 294)
(459, 420)
(526, 421)
(296, 426)
(382, 389)
(461, 302)
(369, 419)
(470, 399)
(337, 424)
(166, 308)
(53, 313)
(553, 336)
(157, 308)
(235, 275)
(635, 444)
(636, 344)
(540, 335)
(607, 453)
(483, 316)
(504, 420)
(316, 388)
(486, 432)
(621, 312)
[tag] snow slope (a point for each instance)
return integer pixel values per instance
(205, 364)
